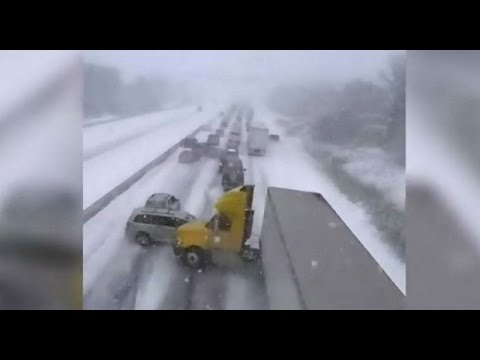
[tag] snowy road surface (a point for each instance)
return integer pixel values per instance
(114, 151)
(118, 274)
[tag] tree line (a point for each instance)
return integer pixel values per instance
(106, 93)
(358, 112)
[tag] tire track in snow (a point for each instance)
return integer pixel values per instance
(157, 271)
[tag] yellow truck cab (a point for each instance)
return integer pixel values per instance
(227, 231)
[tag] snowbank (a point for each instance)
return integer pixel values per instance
(373, 167)
(95, 137)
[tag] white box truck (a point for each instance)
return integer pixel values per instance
(257, 140)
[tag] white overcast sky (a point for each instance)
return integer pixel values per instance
(245, 65)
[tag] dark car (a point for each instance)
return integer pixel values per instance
(232, 175)
(190, 142)
(233, 144)
(189, 156)
(228, 155)
(213, 140)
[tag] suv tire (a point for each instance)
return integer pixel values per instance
(143, 239)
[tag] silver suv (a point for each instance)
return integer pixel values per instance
(153, 225)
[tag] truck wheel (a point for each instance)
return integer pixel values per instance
(194, 257)
(143, 239)
(251, 255)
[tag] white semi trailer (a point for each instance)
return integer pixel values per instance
(258, 138)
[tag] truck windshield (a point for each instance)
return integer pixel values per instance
(211, 224)
(219, 222)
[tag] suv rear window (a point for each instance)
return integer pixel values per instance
(176, 222)
(143, 219)
(160, 220)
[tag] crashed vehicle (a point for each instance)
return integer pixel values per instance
(305, 252)
(148, 226)
(232, 174)
(213, 140)
(163, 201)
(190, 142)
(189, 156)
(199, 243)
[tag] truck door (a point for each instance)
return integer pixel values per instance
(222, 237)
(160, 232)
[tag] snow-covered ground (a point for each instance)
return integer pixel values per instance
(98, 136)
(373, 167)
(109, 168)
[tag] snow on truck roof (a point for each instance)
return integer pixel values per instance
(229, 201)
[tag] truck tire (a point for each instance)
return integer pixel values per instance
(194, 257)
(251, 255)
(143, 239)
